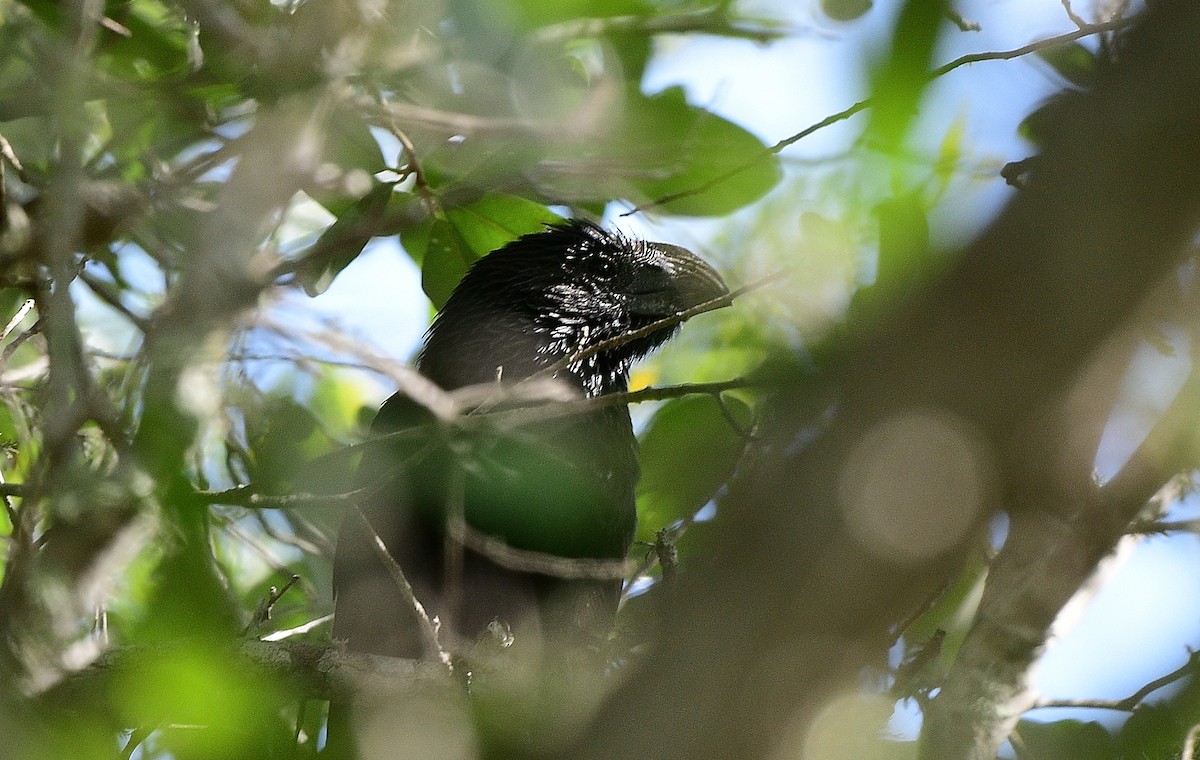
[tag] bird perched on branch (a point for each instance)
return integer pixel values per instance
(512, 525)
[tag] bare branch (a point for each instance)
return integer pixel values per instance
(998, 55)
(526, 561)
(715, 20)
(1076, 19)
(20, 314)
(316, 671)
(1087, 30)
(1134, 700)
(429, 633)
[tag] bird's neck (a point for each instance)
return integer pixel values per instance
(506, 348)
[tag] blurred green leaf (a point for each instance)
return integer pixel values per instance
(350, 145)
(845, 10)
(153, 45)
(687, 452)
(207, 706)
(1062, 739)
(532, 14)
(1073, 62)
(281, 435)
(32, 139)
(904, 250)
(953, 612)
(949, 155)
(1038, 123)
(451, 242)
(1156, 731)
(704, 164)
(342, 242)
(48, 11)
(899, 82)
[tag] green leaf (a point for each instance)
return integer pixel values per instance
(845, 10)
(155, 47)
(32, 139)
(898, 84)
(904, 255)
(949, 154)
(281, 435)
(687, 453)
(1073, 62)
(1157, 730)
(952, 612)
(344, 240)
(703, 164)
(450, 243)
(50, 12)
(532, 14)
(1038, 124)
(349, 143)
(1064, 738)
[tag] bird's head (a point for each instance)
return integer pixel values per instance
(567, 289)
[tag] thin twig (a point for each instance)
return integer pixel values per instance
(1189, 743)
(429, 634)
(109, 294)
(963, 24)
(16, 319)
(246, 496)
(653, 327)
(996, 55)
(1086, 30)
(1128, 704)
(7, 152)
(19, 341)
(266, 606)
(527, 561)
(715, 21)
(452, 548)
(136, 738)
(413, 163)
(1076, 19)
(287, 633)
(1158, 527)
(665, 392)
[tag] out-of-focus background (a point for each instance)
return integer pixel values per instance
(229, 224)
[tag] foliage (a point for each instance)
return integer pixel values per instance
(178, 176)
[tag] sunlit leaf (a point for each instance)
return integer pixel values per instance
(949, 154)
(900, 81)
(698, 163)
(687, 452)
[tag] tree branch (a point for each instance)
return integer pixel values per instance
(997, 55)
(312, 671)
(1131, 702)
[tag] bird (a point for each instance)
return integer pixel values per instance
(550, 304)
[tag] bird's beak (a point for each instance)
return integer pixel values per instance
(693, 281)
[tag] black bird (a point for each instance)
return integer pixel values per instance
(562, 487)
